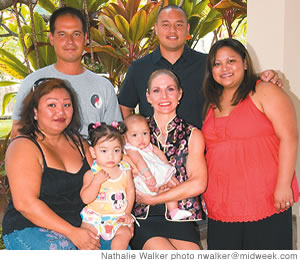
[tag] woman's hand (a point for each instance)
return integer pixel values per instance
(126, 219)
(283, 197)
(144, 198)
(85, 239)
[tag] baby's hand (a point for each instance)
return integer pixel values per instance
(127, 219)
(150, 181)
(101, 177)
(153, 189)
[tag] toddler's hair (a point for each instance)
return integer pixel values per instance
(99, 130)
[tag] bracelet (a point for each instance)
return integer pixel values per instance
(148, 178)
(144, 170)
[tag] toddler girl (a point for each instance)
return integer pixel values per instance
(152, 167)
(108, 188)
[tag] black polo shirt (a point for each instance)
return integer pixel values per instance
(189, 68)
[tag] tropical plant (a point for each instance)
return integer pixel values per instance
(201, 17)
(4, 187)
(125, 31)
(231, 10)
(120, 31)
(124, 34)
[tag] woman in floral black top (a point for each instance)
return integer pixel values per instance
(183, 144)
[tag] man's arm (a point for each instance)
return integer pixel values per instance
(126, 111)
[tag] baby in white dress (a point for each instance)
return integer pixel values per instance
(150, 165)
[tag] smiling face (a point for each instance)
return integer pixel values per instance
(68, 39)
(138, 133)
(108, 153)
(54, 112)
(229, 68)
(172, 29)
(164, 94)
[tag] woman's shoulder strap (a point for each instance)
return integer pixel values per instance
(77, 141)
(82, 151)
(35, 142)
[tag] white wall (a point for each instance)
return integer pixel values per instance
(273, 36)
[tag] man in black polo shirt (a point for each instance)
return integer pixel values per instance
(171, 29)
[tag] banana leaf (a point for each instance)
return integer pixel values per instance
(12, 66)
(6, 99)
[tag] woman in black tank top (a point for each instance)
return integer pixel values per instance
(45, 165)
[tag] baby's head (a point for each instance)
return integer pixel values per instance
(138, 132)
(106, 138)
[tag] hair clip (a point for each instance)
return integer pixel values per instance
(115, 124)
(96, 125)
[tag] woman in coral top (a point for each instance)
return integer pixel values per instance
(251, 136)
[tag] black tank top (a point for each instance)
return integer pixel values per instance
(60, 190)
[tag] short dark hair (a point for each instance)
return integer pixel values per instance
(43, 86)
(175, 7)
(67, 11)
(98, 130)
(212, 90)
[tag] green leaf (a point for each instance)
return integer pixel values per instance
(226, 4)
(10, 65)
(26, 29)
(208, 27)
(123, 26)
(78, 4)
(97, 36)
(93, 5)
(213, 15)
(137, 26)
(5, 83)
(5, 128)
(115, 9)
(174, 2)
(107, 49)
(31, 55)
(151, 18)
(42, 39)
(6, 99)
(188, 7)
(195, 23)
(200, 7)
(131, 8)
(40, 27)
(110, 26)
(47, 5)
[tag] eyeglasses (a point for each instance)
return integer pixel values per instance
(39, 82)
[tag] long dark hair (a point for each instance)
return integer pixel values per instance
(43, 86)
(212, 91)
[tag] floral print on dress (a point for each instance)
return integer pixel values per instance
(176, 151)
